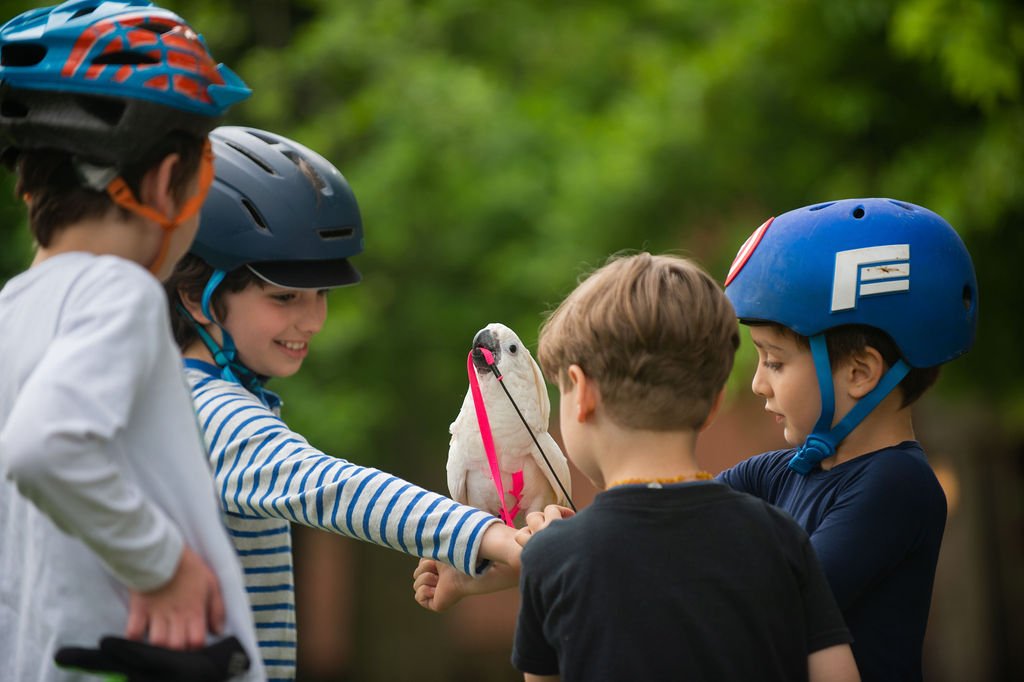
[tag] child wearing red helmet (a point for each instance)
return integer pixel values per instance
(852, 306)
(104, 112)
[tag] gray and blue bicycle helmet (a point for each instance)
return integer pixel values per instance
(881, 263)
(282, 211)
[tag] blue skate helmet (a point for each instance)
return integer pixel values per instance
(882, 263)
(282, 211)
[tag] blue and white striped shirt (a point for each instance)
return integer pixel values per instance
(268, 476)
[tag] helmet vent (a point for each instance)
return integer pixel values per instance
(336, 233)
(22, 54)
(158, 27)
(821, 206)
(259, 135)
(252, 157)
(858, 212)
(83, 11)
(905, 207)
(968, 298)
(257, 217)
(126, 58)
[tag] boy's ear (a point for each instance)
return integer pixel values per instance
(194, 308)
(587, 394)
(713, 411)
(862, 371)
(156, 188)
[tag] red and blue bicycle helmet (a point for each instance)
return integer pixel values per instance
(102, 79)
(882, 263)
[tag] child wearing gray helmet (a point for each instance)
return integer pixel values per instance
(277, 233)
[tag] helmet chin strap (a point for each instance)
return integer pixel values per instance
(226, 356)
(824, 439)
(121, 194)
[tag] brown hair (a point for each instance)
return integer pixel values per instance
(847, 340)
(188, 280)
(655, 333)
(59, 199)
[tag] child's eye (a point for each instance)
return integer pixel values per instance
(283, 298)
(772, 365)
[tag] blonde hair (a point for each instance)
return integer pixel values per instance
(657, 335)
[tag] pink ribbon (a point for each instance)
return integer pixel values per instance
(488, 438)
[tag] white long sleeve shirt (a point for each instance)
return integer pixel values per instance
(269, 476)
(103, 474)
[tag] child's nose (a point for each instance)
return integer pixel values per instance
(758, 385)
(314, 313)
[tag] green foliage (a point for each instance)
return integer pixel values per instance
(500, 151)
(979, 45)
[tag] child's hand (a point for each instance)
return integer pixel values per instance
(499, 544)
(438, 586)
(538, 521)
(179, 614)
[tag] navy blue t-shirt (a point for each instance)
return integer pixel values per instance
(876, 523)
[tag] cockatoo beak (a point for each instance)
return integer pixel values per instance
(485, 338)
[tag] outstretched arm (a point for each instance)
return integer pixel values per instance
(264, 469)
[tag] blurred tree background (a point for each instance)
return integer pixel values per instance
(501, 150)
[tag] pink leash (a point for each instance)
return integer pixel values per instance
(485, 433)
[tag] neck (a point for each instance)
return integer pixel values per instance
(198, 351)
(644, 456)
(107, 235)
(886, 425)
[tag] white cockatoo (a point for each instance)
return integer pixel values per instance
(469, 473)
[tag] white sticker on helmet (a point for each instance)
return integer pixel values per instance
(868, 272)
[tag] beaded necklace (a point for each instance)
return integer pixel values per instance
(661, 482)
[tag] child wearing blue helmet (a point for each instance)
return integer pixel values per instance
(853, 305)
(278, 231)
(104, 112)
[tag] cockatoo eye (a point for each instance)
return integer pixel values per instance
(513, 348)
